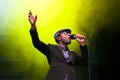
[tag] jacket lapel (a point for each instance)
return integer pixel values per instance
(60, 52)
(62, 55)
(70, 55)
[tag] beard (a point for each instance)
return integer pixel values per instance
(66, 41)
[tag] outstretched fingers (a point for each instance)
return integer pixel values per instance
(35, 18)
(30, 13)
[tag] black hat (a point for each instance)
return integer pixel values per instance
(59, 31)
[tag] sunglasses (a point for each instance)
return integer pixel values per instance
(66, 32)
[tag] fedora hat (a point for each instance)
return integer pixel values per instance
(59, 31)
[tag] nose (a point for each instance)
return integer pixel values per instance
(68, 34)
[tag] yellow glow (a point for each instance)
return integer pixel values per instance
(46, 10)
(81, 16)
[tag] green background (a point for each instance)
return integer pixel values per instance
(98, 20)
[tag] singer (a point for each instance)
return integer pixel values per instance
(61, 60)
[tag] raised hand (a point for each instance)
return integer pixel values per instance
(32, 19)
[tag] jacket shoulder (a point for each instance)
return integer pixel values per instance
(52, 45)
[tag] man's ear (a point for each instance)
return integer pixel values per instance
(59, 38)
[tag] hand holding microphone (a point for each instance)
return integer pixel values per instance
(79, 37)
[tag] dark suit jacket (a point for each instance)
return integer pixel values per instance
(58, 65)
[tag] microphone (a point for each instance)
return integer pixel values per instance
(73, 36)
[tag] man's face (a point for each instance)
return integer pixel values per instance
(65, 37)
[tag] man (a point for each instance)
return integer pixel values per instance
(60, 58)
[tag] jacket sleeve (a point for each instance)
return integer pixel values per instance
(42, 47)
(83, 59)
(84, 51)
